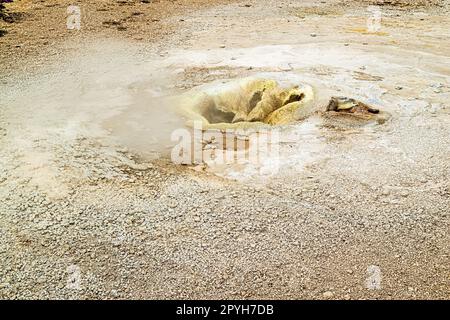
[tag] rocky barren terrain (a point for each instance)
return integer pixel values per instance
(92, 207)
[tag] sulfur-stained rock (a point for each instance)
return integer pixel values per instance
(283, 115)
(296, 105)
(270, 101)
(245, 104)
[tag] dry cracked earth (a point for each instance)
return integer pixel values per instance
(92, 208)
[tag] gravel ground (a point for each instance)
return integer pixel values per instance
(82, 217)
